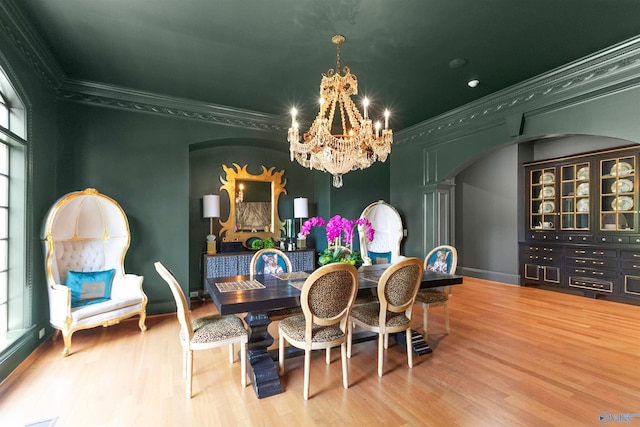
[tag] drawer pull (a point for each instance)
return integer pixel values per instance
(636, 255)
(598, 253)
(598, 273)
(581, 252)
(581, 271)
(581, 261)
(598, 263)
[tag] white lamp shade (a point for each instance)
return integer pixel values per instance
(211, 206)
(300, 207)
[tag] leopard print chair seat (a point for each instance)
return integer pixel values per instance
(397, 290)
(205, 332)
(327, 298)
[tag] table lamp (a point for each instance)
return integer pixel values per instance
(301, 210)
(211, 209)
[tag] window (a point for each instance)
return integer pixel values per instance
(15, 291)
(4, 235)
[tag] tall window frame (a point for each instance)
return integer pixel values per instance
(15, 288)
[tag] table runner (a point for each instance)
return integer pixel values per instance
(239, 286)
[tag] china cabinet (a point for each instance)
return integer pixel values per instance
(581, 224)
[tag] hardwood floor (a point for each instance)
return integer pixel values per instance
(515, 357)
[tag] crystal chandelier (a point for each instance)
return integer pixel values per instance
(361, 142)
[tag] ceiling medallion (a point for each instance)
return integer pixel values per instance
(360, 142)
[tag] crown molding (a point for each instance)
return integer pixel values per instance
(20, 32)
(590, 74)
(124, 98)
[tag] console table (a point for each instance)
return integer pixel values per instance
(237, 263)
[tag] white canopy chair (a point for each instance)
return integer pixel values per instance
(385, 247)
(87, 233)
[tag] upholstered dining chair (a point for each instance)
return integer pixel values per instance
(204, 332)
(397, 290)
(327, 298)
(443, 259)
(269, 261)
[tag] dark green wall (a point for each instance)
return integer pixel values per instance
(158, 168)
(43, 172)
(205, 169)
(479, 155)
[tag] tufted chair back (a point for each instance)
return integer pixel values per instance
(84, 231)
(385, 247)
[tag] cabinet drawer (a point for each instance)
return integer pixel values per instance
(541, 249)
(631, 265)
(611, 239)
(594, 285)
(631, 284)
(579, 238)
(631, 255)
(599, 263)
(541, 258)
(591, 252)
(590, 272)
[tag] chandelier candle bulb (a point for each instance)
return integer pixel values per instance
(293, 117)
(377, 129)
(365, 103)
(386, 119)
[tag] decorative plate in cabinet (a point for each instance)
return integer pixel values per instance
(547, 193)
(622, 203)
(547, 178)
(583, 189)
(621, 169)
(547, 207)
(622, 186)
(582, 205)
(583, 174)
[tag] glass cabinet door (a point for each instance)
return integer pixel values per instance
(618, 199)
(574, 196)
(542, 196)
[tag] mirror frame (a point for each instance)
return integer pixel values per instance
(228, 232)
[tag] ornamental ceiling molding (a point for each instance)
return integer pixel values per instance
(571, 79)
(17, 29)
(117, 97)
(21, 34)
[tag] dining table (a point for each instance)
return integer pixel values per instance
(258, 294)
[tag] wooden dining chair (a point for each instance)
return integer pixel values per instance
(204, 332)
(443, 259)
(397, 290)
(327, 298)
(270, 261)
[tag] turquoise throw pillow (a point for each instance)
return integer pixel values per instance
(379, 257)
(89, 287)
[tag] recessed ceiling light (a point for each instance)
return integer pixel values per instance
(473, 83)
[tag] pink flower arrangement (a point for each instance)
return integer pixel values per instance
(338, 228)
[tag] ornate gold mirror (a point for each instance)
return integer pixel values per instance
(253, 203)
